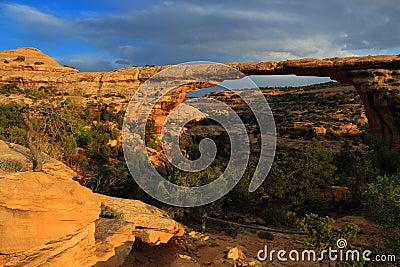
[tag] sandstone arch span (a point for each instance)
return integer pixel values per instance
(376, 78)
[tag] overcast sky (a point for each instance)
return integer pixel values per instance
(103, 35)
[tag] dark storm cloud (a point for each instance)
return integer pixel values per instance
(175, 31)
(122, 62)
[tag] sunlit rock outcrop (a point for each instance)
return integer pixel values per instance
(48, 219)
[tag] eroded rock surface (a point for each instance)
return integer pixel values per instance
(47, 219)
(114, 240)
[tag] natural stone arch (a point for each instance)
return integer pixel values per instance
(376, 78)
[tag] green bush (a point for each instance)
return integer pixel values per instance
(382, 200)
(295, 180)
(35, 94)
(98, 149)
(112, 180)
(321, 234)
(392, 244)
(12, 126)
(382, 157)
(85, 138)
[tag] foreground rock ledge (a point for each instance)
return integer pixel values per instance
(153, 225)
(51, 220)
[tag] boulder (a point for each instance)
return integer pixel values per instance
(153, 226)
(48, 219)
(45, 217)
(236, 253)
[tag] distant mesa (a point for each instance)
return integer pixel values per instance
(30, 59)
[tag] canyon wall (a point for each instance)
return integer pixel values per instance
(376, 78)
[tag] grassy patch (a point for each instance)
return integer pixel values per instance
(108, 212)
(11, 165)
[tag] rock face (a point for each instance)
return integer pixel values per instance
(376, 78)
(47, 219)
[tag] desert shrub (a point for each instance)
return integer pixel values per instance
(38, 63)
(392, 244)
(112, 180)
(386, 160)
(356, 170)
(108, 95)
(15, 134)
(85, 138)
(278, 215)
(241, 199)
(321, 234)
(12, 126)
(108, 212)
(265, 235)
(19, 59)
(10, 88)
(203, 177)
(11, 165)
(98, 149)
(382, 200)
(35, 94)
(359, 168)
(295, 180)
(68, 66)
